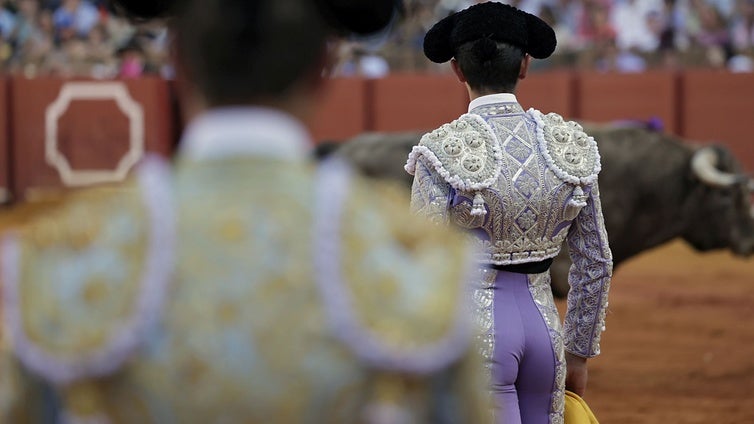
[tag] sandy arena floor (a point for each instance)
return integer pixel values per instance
(679, 346)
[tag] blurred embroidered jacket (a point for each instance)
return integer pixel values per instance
(241, 285)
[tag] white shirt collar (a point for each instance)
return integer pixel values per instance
(492, 98)
(245, 131)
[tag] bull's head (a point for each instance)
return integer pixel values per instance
(725, 217)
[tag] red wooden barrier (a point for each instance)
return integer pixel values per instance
(341, 111)
(87, 135)
(719, 106)
(74, 133)
(549, 92)
(416, 102)
(5, 192)
(604, 97)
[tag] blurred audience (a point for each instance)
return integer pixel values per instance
(86, 38)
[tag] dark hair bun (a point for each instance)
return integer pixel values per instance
(484, 50)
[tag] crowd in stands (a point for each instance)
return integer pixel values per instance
(88, 38)
(78, 38)
(607, 35)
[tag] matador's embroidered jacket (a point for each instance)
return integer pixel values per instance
(522, 183)
(241, 285)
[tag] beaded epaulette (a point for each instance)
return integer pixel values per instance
(569, 152)
(83, 285)
(465, 152)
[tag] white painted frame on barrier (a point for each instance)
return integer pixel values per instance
(82, 91)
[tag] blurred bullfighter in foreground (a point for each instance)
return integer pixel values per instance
(243, 284)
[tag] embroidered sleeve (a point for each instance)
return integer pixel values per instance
(429, 194)
(589, 278)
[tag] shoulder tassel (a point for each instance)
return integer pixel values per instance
(478, 208)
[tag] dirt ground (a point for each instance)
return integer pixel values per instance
(679, 345)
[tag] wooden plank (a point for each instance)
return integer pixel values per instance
(549, 92)
(408, 102)
(605, 97)
(5, 168)
(717, 107)
(341, 110)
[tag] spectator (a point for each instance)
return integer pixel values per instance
(7, 22)
(359, 61)
(132, 60)
(100, 53)
(75, 18)
(631, 20)
(39, 45)
(713, 36)
(626, 35)
(742, 26)
(594, 25)
(672, 34)
(26, 20)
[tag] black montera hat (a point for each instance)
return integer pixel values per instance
(494, 21)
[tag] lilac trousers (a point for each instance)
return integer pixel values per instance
(523, 365)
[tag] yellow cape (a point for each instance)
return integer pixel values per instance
(577, 411)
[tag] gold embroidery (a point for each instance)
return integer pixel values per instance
(83, 400)
(255, 348)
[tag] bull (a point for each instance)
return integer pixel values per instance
(655, 187)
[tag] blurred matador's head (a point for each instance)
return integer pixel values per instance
(239, 51)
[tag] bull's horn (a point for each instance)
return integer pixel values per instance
(704, 162)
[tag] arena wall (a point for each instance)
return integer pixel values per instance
(72, 133)
(5, 174)
(52, 136)
(717, 106)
